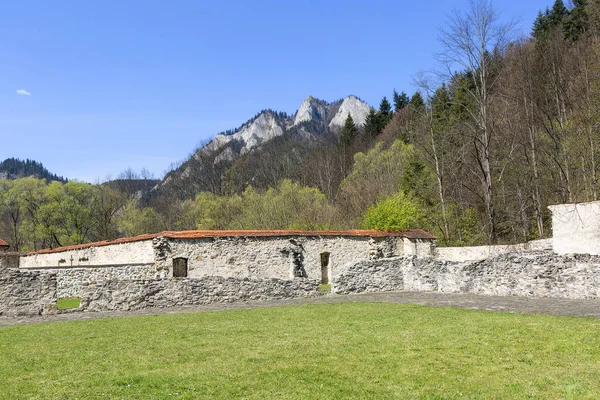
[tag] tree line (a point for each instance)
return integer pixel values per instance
(506, 127)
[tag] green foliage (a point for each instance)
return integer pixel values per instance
(573, 23)
(396, 213)
(385, 114)
(349, 132)
(15, 169)
(417, 103)
(371, 126)
(577, 22)
(137, 221)
(558, 13)
(36, 214)
(401, 101)
(287, 206)
(385, 109)
(216, 212)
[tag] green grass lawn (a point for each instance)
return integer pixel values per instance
(71, 302)
(352, 350)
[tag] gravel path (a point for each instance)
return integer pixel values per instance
(521, 305)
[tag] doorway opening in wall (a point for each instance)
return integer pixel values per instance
(325, 268)
(180, 267)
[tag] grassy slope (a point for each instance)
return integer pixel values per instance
(374, 351)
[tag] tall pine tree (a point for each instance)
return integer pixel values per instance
(371, 126)
(577, 22)
(384, 115)
(384, 107)
(558, 13)
(400, 101)
(349, 132)
(417, 103)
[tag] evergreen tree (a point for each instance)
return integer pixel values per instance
(558, 13)
(371, 126)
(577, 22)
(349, 132)
(416, 102)
(384, 115)
(540, 25)
(384, 107)
(400, 101)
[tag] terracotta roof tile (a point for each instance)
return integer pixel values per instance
(3, 243)
(411, 234)
(98, 244)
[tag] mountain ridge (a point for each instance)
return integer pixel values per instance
(314, 119)
(14, 168)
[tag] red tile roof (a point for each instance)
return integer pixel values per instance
(411, 234)
(3, 243)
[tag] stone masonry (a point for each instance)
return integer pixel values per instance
(135, 295)
(71, 282)
(535, 273)
(27, 293)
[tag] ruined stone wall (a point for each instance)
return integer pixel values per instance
(535, 273)
(133, 295)
(27, 292)
(71, 282)
(576, 228)
(140, 252)
(473, 253)
(274, 257)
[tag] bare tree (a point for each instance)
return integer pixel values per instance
(474, 41)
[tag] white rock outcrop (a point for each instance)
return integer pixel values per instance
(262, 129)
(310, 109)
(357, 109)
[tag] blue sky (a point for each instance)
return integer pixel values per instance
(107, 85)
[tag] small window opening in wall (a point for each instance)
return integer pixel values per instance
(298, 259)
(325, 268)
(180, 267)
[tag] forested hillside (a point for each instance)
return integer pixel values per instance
(13, 168)
(475, 155)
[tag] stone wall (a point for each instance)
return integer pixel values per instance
(27, 293)
(576, 228)
(140, 252)
(71, 282)
(535, 273)
(274, 257)
(473, 253)
(133, 295)
(384, 275)
(9, 259)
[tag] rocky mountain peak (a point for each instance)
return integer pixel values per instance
(354, 106)
(311, 109)
(313, 119)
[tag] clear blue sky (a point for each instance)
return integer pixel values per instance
(106, 85)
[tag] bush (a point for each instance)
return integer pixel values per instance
(395, 213)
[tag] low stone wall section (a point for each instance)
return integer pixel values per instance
(384, 275)
(537, 273)
(27, 293)
(134, 295)
(71, 282)
(474, 253)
